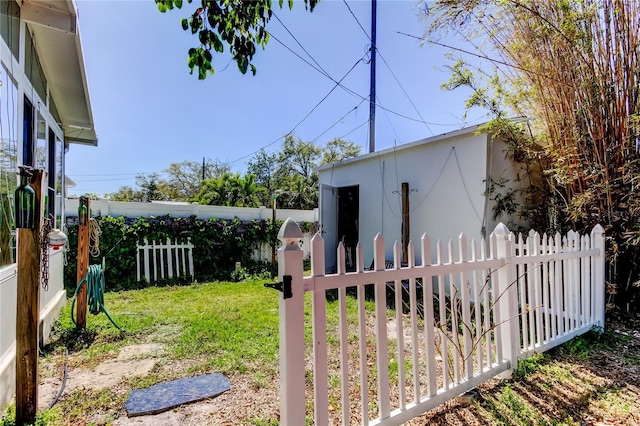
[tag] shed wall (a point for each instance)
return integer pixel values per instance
(446, 179)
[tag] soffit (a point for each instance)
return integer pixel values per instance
(57, 39)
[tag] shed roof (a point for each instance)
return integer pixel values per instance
(54, 24)
(409, 145)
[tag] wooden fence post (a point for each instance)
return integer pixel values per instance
(599, 292)
(82, 268)
(291, 317)
(507, 295)
(28, 310)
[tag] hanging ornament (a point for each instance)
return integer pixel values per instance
(83, 211)
(25, 201)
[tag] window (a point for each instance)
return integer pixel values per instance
(33, 69)
(10, 25)
(54, 180)
(59, 183)
(8, 164)
(27, 133)
(41, 144)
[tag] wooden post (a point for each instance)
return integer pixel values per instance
(83, 266)
(273, 229)
(405, 221)
(28, 311)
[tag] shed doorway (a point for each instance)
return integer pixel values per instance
(349, 223)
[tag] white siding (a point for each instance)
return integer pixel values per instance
(447, 180)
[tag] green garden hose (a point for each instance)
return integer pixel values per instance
(95, 293)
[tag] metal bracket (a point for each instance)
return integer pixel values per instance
(283, 286)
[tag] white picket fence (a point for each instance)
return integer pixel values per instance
(160, 261)
(458, 322)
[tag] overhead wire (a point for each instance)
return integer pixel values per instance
(305, 117)
(338, 121)
(346, 89)
(376, 49)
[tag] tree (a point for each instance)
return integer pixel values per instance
(238, 24)
(263, 166)
(150, 187)
(290, 174)
(230, 190)
(338, 149)
(125, 193)
(579, 64)
(295, 176)
(184, 179)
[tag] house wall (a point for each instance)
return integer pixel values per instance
(23, 75)
(446, 178)
(52, 301)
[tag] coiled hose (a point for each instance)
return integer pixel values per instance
(95, 293)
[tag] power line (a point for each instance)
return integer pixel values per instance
(305, 117)
(339, 120)
(376, 49)
(300, 44)
(346, 89)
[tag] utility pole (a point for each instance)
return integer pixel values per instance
(372, 82)
(203, 168)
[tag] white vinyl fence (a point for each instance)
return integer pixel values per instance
(159, 261)
(458, 322)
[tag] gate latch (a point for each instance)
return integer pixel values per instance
(284, 286)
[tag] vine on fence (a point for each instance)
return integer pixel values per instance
(219, 244)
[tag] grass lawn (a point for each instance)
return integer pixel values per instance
(232, 328)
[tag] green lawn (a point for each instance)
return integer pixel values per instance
(232, 328)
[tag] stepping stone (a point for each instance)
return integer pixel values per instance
(165, 396)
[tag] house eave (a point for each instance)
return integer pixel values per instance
(56, 34)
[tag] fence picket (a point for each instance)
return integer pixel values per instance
(476, 307)
(362, 344)
(344, 342)
(319, 331)
(147, 272)
(546, 299)
(382, 360)
(413, 313)
(429, 329)
(170, 259)
(537, 289)
(442, 309)
(467, 355)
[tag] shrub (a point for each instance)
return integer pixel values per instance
(218, 245)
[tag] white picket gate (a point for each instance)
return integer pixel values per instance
(160, 261)
(477, 315)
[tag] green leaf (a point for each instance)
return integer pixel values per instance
(217, 44)
(290, 4)
(203, 36)
(178, 3)
(242, 64)
(253, 69)
(185, 24)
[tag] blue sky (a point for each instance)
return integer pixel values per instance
(149, 111)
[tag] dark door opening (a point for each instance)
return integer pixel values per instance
(348, 222)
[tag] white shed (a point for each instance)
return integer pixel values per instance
(445, 176)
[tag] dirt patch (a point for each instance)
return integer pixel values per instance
(245, 400)
(131, 361)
